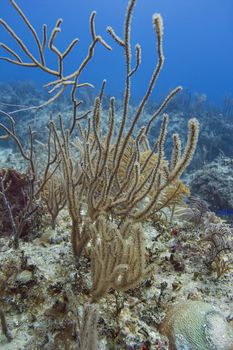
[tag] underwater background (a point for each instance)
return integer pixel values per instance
(117, 234)
(198, 43)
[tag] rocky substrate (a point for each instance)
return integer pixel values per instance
(43, 290)
(214, 183)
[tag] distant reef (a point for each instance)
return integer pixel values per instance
(216, 121)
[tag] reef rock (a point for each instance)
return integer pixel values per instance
(196, 325)
(214, 183)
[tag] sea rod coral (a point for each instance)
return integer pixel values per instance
(110, 179)
(97, 165)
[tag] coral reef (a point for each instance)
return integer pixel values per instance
(43, 292)
(214, 183)
(118, 254)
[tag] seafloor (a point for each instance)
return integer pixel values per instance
(43, 289)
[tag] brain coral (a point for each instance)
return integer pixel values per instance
(196, 325)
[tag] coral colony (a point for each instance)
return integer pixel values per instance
(110, 180)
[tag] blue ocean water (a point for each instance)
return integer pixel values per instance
(198, 43)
